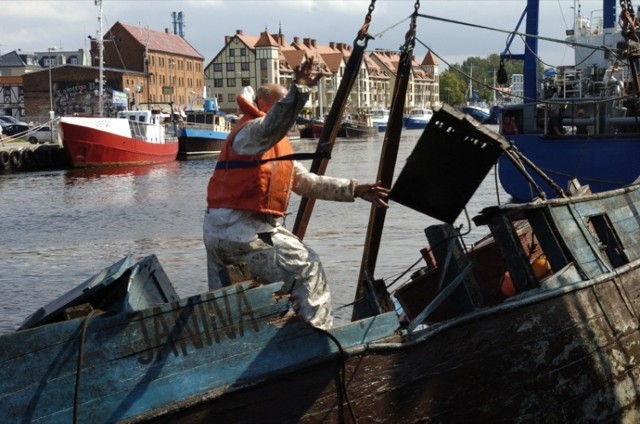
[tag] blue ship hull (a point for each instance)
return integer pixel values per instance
(413, 124)
(200, 142)
(603, 163)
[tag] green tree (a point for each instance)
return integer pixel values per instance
(452, 88)
(480, 72)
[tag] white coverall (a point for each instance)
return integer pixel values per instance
(614, 77)
(271, 251)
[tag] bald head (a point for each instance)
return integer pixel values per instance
(268, 95)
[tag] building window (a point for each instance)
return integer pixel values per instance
(244, 66)
(217, 67)
(231, 97)
(246, 82)
(231, 82)
(217, 82)
(243, 52)
(232, 52)
(231, 67)
(263, 65)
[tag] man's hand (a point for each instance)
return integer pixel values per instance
(374, 193)
(302, 74)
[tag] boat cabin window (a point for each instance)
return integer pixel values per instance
(607, 240)
(136, 115)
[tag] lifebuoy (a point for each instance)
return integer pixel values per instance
(16, 159)
(5, 160)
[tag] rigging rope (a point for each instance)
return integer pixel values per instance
(539, 37)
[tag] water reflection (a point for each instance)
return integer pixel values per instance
(153, 170)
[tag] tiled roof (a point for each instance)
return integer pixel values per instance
(374, 70)
(388, 59)
(14, 59)
(430, 59)
(292, 58)
(249, 40)
(161, 41)
(333, 60)
(266, 40)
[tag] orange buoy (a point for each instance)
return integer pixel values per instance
(541, 267)
(507, 288)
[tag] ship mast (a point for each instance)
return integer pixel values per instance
(101, 60)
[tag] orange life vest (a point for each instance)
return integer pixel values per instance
(247, 182)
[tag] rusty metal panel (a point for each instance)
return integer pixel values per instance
(450, 160)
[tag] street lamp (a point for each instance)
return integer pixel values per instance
(171, 65)
(52, 113)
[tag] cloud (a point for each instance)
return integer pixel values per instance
(35, 25)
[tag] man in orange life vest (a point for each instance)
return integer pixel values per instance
(247, 193)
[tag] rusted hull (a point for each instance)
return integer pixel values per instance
(567, 357)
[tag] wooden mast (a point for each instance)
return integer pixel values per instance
(385, 170)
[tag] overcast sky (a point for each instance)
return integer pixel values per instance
(35, 25)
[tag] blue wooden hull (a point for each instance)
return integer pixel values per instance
(138, 363)
(604, 163)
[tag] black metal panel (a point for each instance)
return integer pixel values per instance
(450, 160)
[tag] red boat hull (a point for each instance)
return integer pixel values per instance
(87, 146)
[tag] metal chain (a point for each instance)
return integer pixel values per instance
(628, 20)
(371, 7)
(410, 37)
(363, 34)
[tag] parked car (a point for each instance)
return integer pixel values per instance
(15, 129)
(41, 135)
(9, 120)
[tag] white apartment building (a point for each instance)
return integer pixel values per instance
(268, 58)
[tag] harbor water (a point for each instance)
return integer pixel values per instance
(61, 227)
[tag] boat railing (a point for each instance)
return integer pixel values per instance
(585, 116)
(209, 122)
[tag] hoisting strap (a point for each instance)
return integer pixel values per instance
(235, 164)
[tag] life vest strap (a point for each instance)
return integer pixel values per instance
(236, 164)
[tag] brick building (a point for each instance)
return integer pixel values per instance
(147, 68)
(171, 69)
